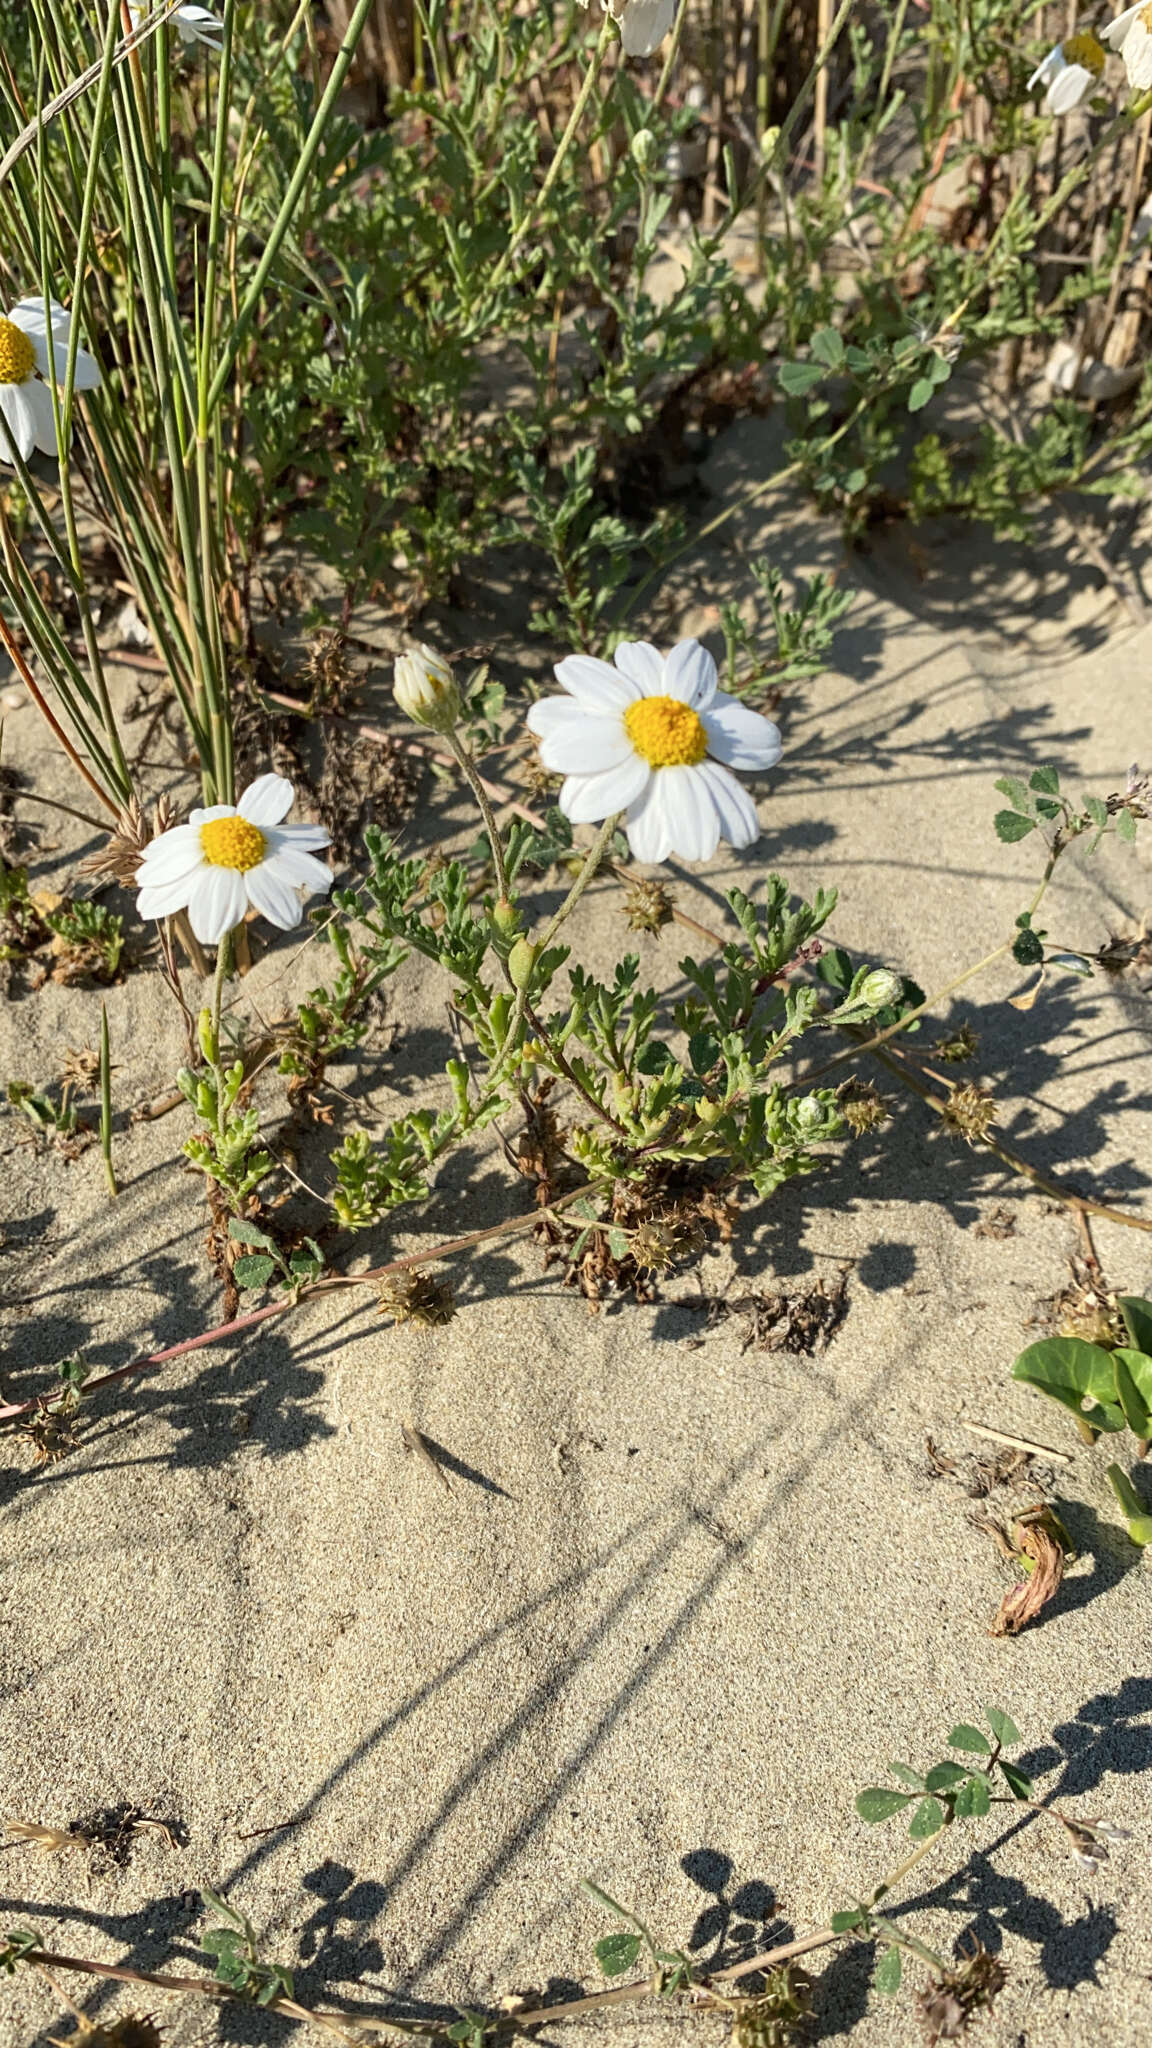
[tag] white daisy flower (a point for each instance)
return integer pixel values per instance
(1069, 72)
(653, 736)
(1131, 35)
(26, 403)
(231, 856)
(643, 23)
(192, 24)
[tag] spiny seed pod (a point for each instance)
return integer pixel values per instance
(654, 1246)
(958, 1045)
(861, 1107)
(648, 907)
(132, 2030)
(969, 1112)
(955, 1998)
(416, 1297)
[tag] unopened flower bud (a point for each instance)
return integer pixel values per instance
(644, 148)
(880, 989)
(207, 1036)
(425, 690)
(506, 918)
(522, 962)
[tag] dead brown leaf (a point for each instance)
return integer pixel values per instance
(1040, 1546)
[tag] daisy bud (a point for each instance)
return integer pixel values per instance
(643, 148)
(881, 989)
(425, 691)
(522, 963)
(506, 918)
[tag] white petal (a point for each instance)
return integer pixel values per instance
(690, 675)
(273, 895)
(1138, 58)
(165, 898)
(217, 901)
(645, 25)
(588, 798)
(204, 817)
(1053, 63)
(694, 819)
(594, 685)
(739, 824)
(177, 852)
(87, 368)
(266, 800)
(643, 665)
(587, 748)
(1117, 30)
(304, 838)
(739, 737)
(551, 713)
(29, 315)
(38, 400)
(649, 826)
(1067, 91)
(301, 869)
(18, 414)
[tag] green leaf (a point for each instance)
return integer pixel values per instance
(242, 1232)
(918, 398)
(1045, 779)
(927, 1820)
(1133, 1370)
(799, 378)
(1010, 826)
(888, 1972)
(703, 1052)
(1016, 1781)
(828, 347)
(1136, 1515)
(880, 1802)
(843, 1923)
(1071, 1371)
(942, 1777)
(964, 1736)
(973, 1798)
(1027, 949)
(1015, 791)
(1125, 826)
(1003, 1726)
(655, 1057)
(908, 1776)
(254, 1271)
(617, 1953)
(1137, 1314)
(1097, 810)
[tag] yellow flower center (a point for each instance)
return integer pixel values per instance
(17, 355)
(1085, 50)
(666, 732)
(231, 843)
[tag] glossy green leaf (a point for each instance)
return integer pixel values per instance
(1137, 1514)
(1137, 1314)
(1071, 1371)
(1133, 1370)
(964, 1736)
(1017, 1782)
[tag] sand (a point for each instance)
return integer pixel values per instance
(684, 1596)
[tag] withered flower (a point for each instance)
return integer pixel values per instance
(969, 1112)
(52, 1435)
(417, 1297)
(957, 1045)
(648, 907)
(118, 859)
(955, 1998)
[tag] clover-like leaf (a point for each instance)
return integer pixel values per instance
(927, 1820)
(973, 1798)
(1011, 826)
(617, 1953)
(253, 1271)
(1002, 1725)
(964, 1736)
(880, 1802)
(888, 1972)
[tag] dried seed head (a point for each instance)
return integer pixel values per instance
(655, 1245)
(969, 1112)
(958, 1045)
(417, 1297)
(955, 1998)
(118, 859)
(770, 2020)
(861, 1107)
(52, 1436)
(133, 2030)
(80, 1069)
(648, 907)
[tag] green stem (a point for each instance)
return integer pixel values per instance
(106, 1102)
(468, 769)
(592, 860)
